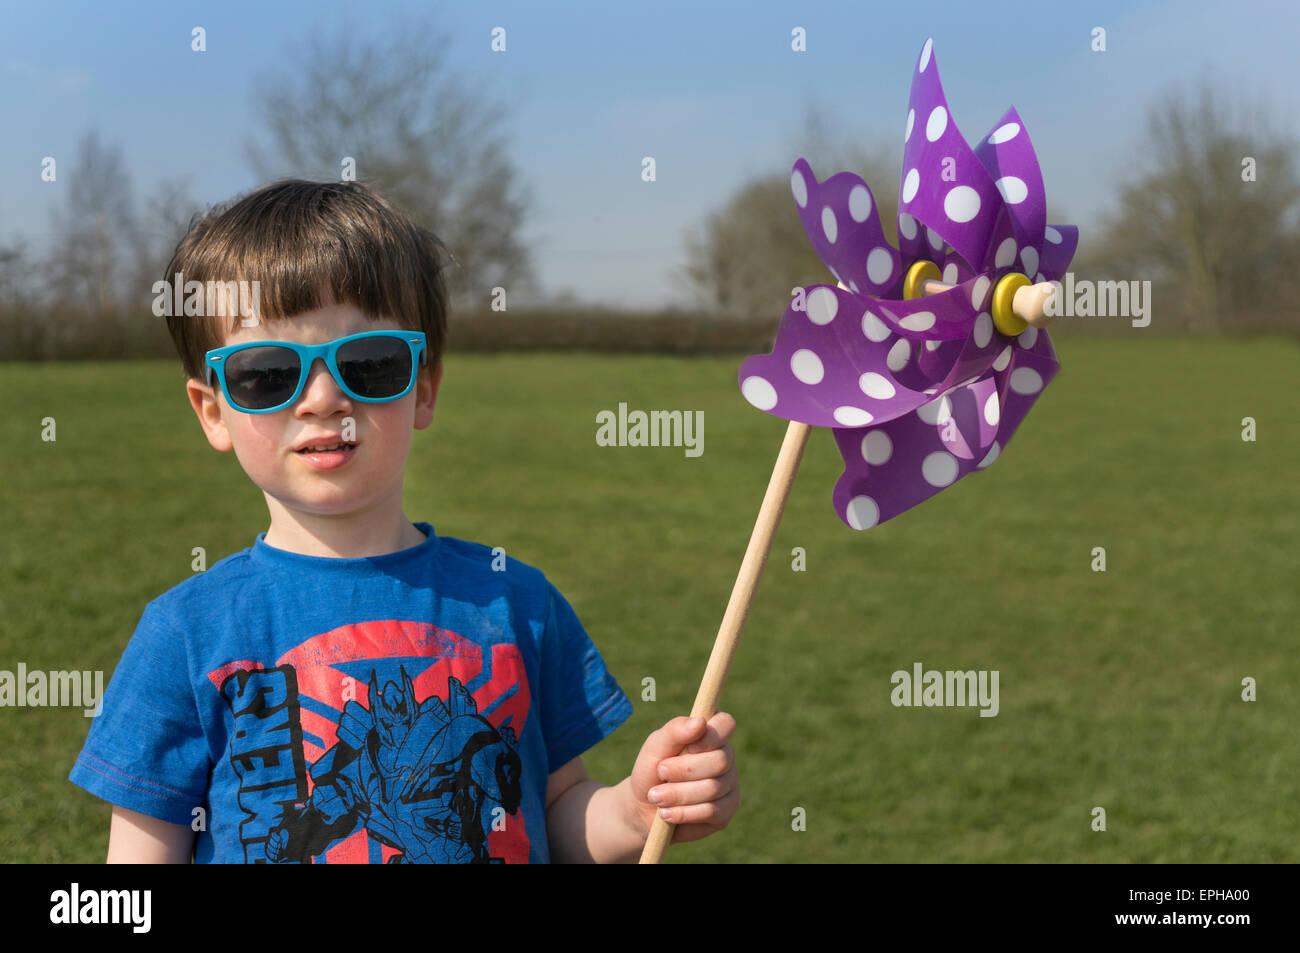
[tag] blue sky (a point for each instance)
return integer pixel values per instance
(712, 90)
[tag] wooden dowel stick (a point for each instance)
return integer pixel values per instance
(1029, 303)
(742, 595)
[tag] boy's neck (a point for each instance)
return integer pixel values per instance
(354, 536)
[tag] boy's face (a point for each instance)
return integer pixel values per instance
(368, 486)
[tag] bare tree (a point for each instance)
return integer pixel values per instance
(1210, 217)
(424, 136)
(748, 256)
(95, 232)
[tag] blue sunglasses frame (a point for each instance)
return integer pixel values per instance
(307, 355)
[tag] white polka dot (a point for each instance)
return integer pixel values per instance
(807, 366)
(911, 184)
(759, 392)
(1053, 235)
(1028, 336)
(875, 386)
(933, 345)
(983, 330)
(979, 290)
(939, 468)
(1041, 278)
(822, 306)
(992, 410)
(921, 321)
(1013, 190)
(852, 416)
(907, 225)
(1004, 133)
(936, 411)
(879, 265)
(873, 328)
(1002, 360)
(800, 188)
(1026, 380)
(862, 512)
(1006, 253)
(950, 273)
(1030, 257)
(911, 120)
(896, 360)
(925, 54)
(877, 448)
(859, 203)
(837, 275)
(936, 241)
(830, 226)
(990, 456)
(936, 124)
(961, 204)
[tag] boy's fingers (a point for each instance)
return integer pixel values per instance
(721, 726)
(711, 816)
(694, 792)
(691, 767)
(670, 739)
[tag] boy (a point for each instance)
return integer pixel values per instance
(354, 688)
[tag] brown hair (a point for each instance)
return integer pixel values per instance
(303, 241)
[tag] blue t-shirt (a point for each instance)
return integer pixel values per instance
(407, 707)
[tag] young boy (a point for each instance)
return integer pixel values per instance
(354, 688)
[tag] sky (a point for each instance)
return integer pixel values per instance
(712, 90)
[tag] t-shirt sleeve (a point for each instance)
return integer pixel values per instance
(581, 703)
(146, 750)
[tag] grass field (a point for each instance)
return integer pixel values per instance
(1119, 690)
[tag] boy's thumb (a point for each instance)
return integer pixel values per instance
(672, 737)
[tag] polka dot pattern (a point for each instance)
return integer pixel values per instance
(918, 394)
(807, 366)
(830, 227)
(877, 448)
(799, 187)
(842, 221)
(859, 203)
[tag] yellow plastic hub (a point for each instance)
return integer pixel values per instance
(920, 271)
(1004, 318)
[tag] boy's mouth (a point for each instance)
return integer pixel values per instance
(326, 447)
(326, 454)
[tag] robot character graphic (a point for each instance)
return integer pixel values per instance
(426, 778)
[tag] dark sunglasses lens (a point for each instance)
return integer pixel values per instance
(375, 367)
(262, 377)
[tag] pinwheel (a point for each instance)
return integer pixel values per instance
(922, 359)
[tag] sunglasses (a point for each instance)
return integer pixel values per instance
(261, 377)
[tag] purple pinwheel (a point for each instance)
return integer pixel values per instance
(923, 380)
(924, 386)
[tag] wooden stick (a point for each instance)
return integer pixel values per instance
(742, 595)
(1029, 303)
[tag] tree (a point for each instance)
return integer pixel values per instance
(417, 132)
(1210, 217)
(95, 233)
(751, 253)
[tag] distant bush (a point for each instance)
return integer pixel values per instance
(35, 334)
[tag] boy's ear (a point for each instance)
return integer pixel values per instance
(207, 407)
(426, 395)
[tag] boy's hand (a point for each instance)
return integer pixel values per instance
(691, 769)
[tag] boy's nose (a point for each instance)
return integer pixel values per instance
(321, 388)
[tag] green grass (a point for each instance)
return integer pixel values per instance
(1118, 689)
